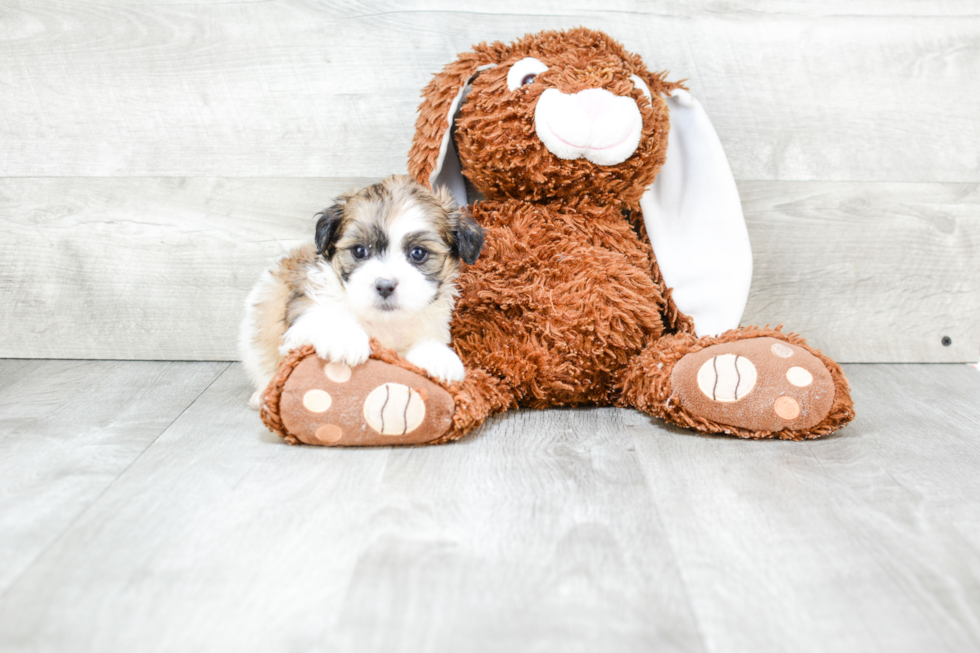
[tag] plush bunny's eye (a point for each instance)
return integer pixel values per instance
(523, 72)
(640, 84)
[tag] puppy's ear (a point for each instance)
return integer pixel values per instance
(469, 237)
(445, 198)
(328, 229)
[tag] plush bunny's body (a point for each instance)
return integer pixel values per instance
(574, 301)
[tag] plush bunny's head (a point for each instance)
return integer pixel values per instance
(553, 115)
(571, 116)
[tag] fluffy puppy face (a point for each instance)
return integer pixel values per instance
(396, 247)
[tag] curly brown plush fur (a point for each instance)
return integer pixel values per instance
(567, 305)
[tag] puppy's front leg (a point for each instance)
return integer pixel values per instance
(334, 333)
(437, 359)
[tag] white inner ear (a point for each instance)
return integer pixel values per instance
(640, 84)
(448, 172)
(694, 218)
(523, 68)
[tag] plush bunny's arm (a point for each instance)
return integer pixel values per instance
(693, 216)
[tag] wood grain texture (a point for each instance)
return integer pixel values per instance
(570, 530)
(691, 8)
(867, 91)
(868, 272)
(67, 430)
(159, 268)
(866, 541)
(222, 537)
(143, 268)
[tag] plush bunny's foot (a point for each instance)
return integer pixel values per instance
(332, 404)
(752, 383)
(760, 384)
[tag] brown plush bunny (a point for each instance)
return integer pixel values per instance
(570, 152)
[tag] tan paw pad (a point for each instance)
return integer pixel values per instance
(317, 401)
(394, 409)
(337, 372)
(726, 378)
(787, 408)
(329, 434)
(799, 377)
(781, 350)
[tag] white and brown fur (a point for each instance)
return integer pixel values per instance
(363, 278)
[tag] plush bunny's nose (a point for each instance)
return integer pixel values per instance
(594, 102)
(595, 124)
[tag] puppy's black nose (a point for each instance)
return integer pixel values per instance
(385, 287)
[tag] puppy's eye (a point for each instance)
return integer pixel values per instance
(419, 254)
(359, 252)
(524, 72)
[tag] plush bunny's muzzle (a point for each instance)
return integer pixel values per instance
(595, 124)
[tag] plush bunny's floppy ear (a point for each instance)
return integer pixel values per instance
(433, 160)
(694, 218)
(448, 173)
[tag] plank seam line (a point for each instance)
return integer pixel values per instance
(363, 179)
(101, 494)
(368, 179)
(650, 14)
(685, 586)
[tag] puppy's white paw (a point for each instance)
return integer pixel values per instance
(294, 338)
(255, 401)
(351, 346)
(340, 343)
(438, 360)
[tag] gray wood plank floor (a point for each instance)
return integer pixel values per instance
(143, 507)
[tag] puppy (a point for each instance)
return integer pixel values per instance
(383, 266)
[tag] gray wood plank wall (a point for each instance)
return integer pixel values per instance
(155, 156)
